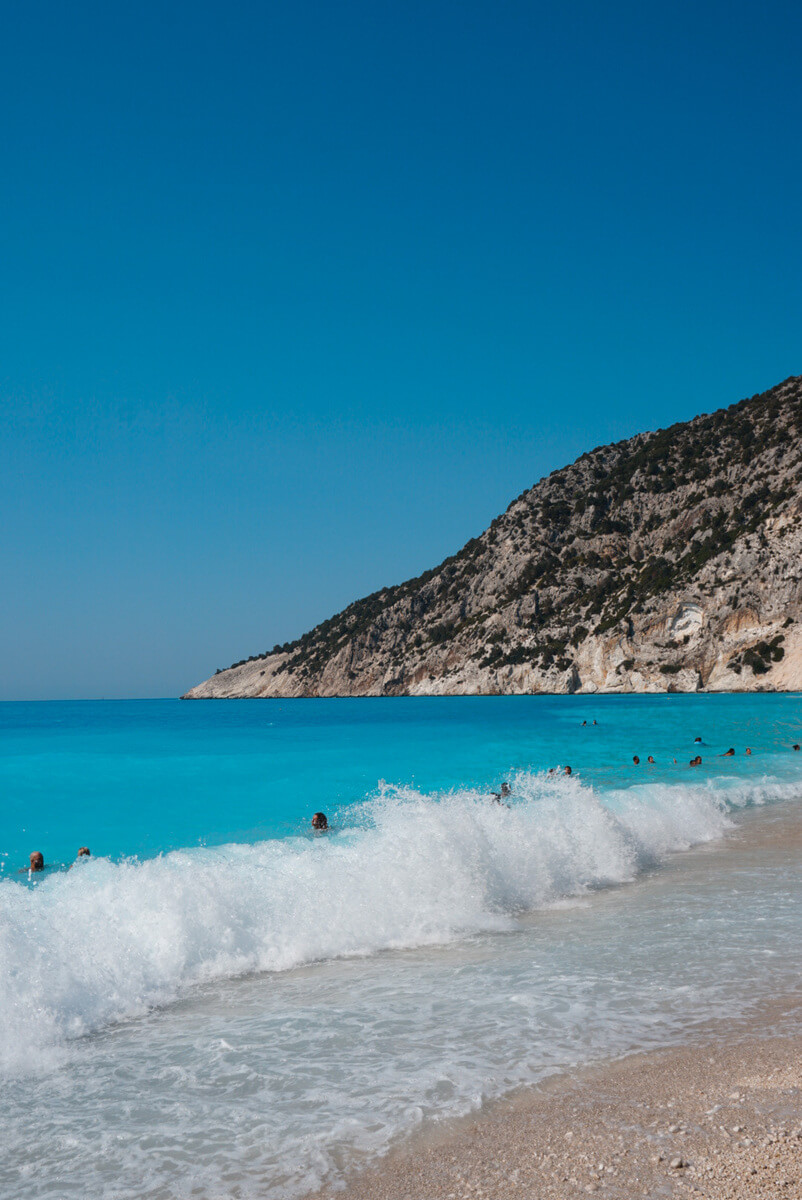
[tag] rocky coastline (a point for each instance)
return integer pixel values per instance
(670, 562)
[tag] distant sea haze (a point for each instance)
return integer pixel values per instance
(218, 971)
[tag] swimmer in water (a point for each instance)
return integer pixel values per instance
(795, 746)
(84, 852)
(650, 759)
(696, 762)
(37, 863)
(320, 822)
(636, 760)
(567, 771)
(499, 797)
(748, 750)
(697, 740)
(727, 753)
(584, 722)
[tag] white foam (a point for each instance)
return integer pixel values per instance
(109, 941)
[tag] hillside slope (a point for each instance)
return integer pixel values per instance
(667, 562)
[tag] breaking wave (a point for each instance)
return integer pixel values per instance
(111, 940)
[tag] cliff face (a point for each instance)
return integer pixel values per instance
(668, 562)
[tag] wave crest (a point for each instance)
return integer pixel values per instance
(110, 940)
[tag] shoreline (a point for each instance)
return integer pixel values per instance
(719, 1118)
(583, 695)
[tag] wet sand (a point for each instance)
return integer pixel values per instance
(721, 1120)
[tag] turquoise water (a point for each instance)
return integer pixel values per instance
(142, 777)
(221, 1003)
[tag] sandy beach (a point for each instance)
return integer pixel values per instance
(722, 1119)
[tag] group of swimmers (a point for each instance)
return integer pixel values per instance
(697, 760)
(320, 823)
(38, 861)
(694, 762)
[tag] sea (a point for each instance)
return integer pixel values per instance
(220, 1002)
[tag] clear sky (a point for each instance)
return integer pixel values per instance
(296, 297)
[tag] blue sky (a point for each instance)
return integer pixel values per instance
(296, 298)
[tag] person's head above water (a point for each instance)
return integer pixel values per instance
(505, 789)
(697, 739)
(319, 821)
(728, 753)
(85, 852)
(795, 746)
(636, 760)
(37, 861)
(650, 759)
(567, 771)
(748, 750)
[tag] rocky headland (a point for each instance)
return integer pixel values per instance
(667, 562)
